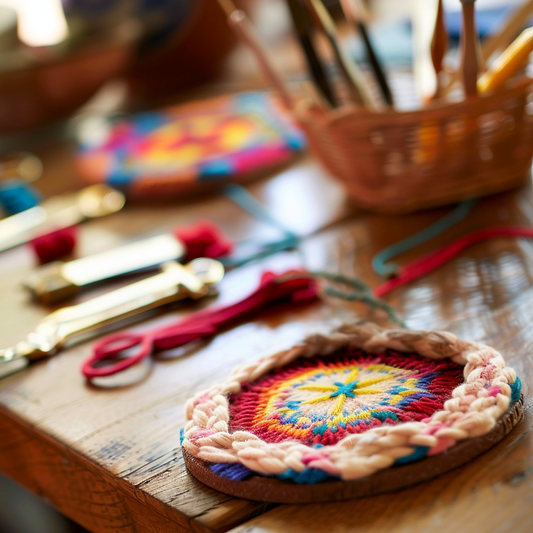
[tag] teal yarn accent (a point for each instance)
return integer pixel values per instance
(516, 390)
(379, 263)
(309, 476)
(246, 201)
(17, 195)
(419, 453)
(182, 435)
(361, 293)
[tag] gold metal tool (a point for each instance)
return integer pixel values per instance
(175, 282)
(59, 212)
(57, 281)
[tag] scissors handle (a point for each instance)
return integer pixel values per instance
(111, 349)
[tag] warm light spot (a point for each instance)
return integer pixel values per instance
(41, 22)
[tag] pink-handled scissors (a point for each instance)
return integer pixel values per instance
(290, 286)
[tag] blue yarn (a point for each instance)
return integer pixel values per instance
(182, 436)
(419, 453)
(233, 471)
(379, 262)
(308, 477)
(17, 195)
(516, 390)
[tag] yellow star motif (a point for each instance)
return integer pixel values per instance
(350, 388)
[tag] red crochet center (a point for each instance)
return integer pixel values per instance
(321, 400)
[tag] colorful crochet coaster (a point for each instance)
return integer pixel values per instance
(357, 412)
(191, 146)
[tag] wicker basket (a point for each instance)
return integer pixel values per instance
(398, 162)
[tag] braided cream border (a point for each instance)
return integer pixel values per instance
(473, 410)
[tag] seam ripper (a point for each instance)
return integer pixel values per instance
(175, 282)
(59, 212)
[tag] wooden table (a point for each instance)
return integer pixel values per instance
(110, 459)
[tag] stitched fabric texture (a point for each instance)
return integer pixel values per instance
(322, 400)
(474, 408)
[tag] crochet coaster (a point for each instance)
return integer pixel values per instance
(357, 412)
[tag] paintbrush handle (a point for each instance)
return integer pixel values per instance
(354, 78)
(469, 49)
(518, 20)
(243, 28)
(303, 26)
(508, 63)
(439, 43)
(354, 15)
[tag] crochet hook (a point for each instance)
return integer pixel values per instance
(175, 282)
(303, 27)
(508, 63)
(243, 28)
(58, 213)
(353, 76)
(355, 13)
(469, 49)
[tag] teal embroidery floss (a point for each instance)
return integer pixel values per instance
(379, 263)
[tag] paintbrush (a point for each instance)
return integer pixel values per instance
(303, 26)
(469, 49)
(355, 12)
(500, 40)
(508, 63)
(354, 78)
(424, 24)
(243, 28)
(439, 45)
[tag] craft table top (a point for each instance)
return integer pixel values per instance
(110, 459)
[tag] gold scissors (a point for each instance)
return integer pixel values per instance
(175, 282)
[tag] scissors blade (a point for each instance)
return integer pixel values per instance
(12, 361)
(13, 367)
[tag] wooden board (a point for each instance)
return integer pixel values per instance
(265, 489)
